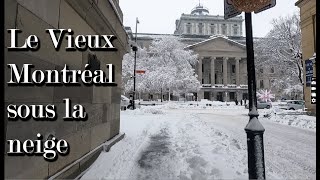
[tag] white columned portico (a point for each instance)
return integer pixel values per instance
(225, 71)
(237, 71)
(213, 82)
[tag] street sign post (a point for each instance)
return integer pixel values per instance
(313, 90)
(229, 10)
(309, 72)
(270, 5)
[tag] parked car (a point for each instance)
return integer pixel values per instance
(292, 105)
(261, 105)
(124, 102)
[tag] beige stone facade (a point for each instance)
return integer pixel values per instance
(102, 104)
(222, 69)
(308, 31)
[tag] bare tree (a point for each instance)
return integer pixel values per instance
(281, 49)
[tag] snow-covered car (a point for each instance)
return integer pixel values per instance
(261, 105)
(292, 105)
(124, 102)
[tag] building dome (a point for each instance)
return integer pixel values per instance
(200, 10)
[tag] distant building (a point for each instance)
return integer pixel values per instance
(308, 31)
(200, 22)
(221, 48)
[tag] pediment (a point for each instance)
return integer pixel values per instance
(218, 44)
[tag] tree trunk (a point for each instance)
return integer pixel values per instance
(300, 73)
(161, 96)
(169, 95)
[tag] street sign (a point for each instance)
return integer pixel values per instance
(140, 71)
(313, 90)
(309, 72)
(270, 5)
(229, 10)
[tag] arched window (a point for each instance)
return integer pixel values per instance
(261, 84)
(189, 28)
(212, 29)
(272, 70)
(200, 26)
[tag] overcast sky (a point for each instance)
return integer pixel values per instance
(158, 16)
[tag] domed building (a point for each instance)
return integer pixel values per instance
(220, 45)
(200, 22)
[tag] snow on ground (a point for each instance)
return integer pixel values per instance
(183, 141)
(289, 117)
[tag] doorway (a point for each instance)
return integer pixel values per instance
(207, 95)
(219, 96)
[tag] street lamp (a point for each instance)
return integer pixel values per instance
(254, 129)
(135, 49)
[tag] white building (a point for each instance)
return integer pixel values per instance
(222, 68)
(200, 22)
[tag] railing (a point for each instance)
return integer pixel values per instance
(223, 86)
(232, 85)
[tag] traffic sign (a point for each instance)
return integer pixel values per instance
(270, 5)
(313, 90)
(229, 10)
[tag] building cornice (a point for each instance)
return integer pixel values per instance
(300, 3)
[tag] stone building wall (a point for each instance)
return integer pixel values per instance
(102, 104)
(308, 41)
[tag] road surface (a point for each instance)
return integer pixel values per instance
(202, 144)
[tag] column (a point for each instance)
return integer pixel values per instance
(237, 71)
(200, 70)
(213, 72)
(225, 71)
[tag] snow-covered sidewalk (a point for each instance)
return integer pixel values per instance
(171, 142)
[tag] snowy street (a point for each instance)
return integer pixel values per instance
(165, 142)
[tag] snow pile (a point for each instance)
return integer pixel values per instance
(146, 110)
(153, 110)
(291, 118)
(170, 105)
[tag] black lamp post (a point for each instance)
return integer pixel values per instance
(135, 49)
(254, 128)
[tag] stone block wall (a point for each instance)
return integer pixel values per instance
(102, 104)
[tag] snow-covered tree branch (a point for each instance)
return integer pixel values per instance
(281, 49)
(168, 66)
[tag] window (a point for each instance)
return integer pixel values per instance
(212, 29)
(188, 29)
(261, 70)
(271, 82)
(235, 30)
(233, 67)
(261, 84)
(200, 26)
(224, 29)
(272, 70)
